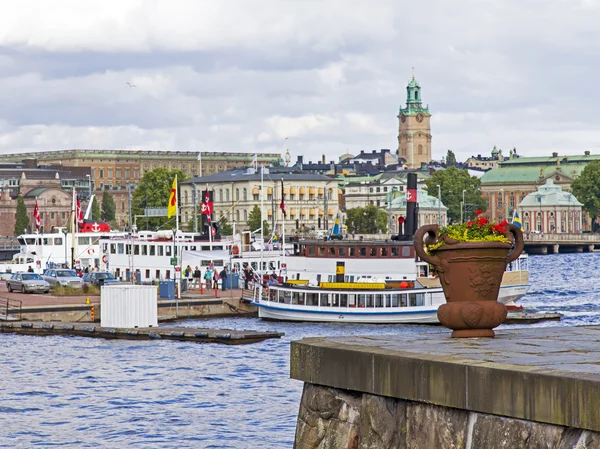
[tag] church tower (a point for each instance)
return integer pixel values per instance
(414, 138)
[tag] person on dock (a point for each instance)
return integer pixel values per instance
(30, 269)
(208, 277)
(247, 276)
(215, 276)
(197, 277)
(223, 276)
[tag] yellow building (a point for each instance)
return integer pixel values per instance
(414, 137)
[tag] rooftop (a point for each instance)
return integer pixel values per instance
(243, 175)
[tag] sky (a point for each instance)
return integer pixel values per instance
(316, 77)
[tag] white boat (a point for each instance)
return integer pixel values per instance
(317, 261)
(156, 256)
(348, 302)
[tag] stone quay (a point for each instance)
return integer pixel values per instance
(526, 388)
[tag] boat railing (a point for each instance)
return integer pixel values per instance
(10, 309)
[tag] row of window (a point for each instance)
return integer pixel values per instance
(347, 300)
(124, 173)
(357, 251)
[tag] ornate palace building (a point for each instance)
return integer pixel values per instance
(414, 138)
(114, 170)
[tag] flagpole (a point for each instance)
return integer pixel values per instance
(262, 234)
(209, 218)
(73, 221)
(283, 231)
(176, 206)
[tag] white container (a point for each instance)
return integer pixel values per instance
(128, 306)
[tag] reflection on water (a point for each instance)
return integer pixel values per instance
(84, 393)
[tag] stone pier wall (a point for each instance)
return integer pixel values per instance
(333, 418)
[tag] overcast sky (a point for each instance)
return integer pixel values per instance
(330, 75)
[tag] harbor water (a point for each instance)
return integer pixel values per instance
(88, 393)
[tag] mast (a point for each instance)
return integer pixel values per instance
(262, 197)
(73, 222)
(283, 272)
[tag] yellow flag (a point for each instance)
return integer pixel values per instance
(172, 207)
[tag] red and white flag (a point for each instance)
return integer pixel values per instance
(36, 216)
(282, 204)
(207, 206)
(78, 214)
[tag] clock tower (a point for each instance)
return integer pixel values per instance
(414, 137)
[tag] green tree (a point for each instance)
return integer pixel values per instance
(452, 182)
(22, 219)
(226, 228)
(96, 214)
(366, 220)
(108, 207)
(586, 189)
(450, 159)
(254, 221)
(154, 190)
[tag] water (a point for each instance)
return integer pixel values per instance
(87, 393)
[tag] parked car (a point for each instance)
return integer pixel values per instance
(99, 278)
(66, 278)
(27, 283)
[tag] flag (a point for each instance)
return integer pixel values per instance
(335, 231)
(516, 220)
(36, 216)
(78, 213)
(207, 206)
(172, 206)
(282, 204)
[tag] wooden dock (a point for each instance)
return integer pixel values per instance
(196, 335)
(524, 317)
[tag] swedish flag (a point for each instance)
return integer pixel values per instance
(516, 220)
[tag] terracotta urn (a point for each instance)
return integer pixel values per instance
(470, 274)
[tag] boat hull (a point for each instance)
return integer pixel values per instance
(401, 315)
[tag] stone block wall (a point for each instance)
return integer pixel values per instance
(331, 418)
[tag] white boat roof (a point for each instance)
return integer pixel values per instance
(205, 255)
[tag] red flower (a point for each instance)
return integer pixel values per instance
(482, 221)
(469, 224)
(503, 223)
(478, 212)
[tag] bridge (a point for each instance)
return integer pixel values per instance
(563, 243)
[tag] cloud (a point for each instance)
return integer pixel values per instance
(234, 75)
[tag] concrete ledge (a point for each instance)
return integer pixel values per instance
(549, 375)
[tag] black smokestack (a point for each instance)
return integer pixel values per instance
(407, 230)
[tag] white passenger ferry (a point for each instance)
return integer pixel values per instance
(155, 256)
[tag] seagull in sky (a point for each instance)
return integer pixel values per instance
(131, 85)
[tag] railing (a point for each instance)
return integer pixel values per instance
(10, 308)
(534, 237)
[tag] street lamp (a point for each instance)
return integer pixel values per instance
(439, 205)
(502, 196)
(463, 208)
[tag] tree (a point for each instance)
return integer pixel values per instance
(226, 228)
(96, 214)
(366, 220)
(586, 189)
(254, 221)
(154, 190)
(450, 159)
(22, 219)
(452, 182)
(108, 207)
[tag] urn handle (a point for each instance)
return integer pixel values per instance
(516, 235)
(427, 233)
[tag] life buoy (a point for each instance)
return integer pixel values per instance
(104, 259)
(235, 250)
(214, 231)
(90, 251)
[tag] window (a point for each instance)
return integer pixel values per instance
(102, 173)
(237, 195)
(373, 252)
(120, 248)
(62, 215)
(292, 197)
(110, 172)
(118, 173)
(122, 206)
(311, 196)
(136, 173)
(342, 251)
(269, 196)
(332, 251)
(127, 174)
(160, 250)
(52, 215)
(136, 250)
(416, 94)
(420, 149)
(255, 197)
(220, 195)
(245, 215)
(363, 252)
(226, 194)
(245, 194)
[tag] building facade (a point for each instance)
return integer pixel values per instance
(310, 199)
(114, 170)
(488, 163)
(506, 186)
(414, 137)
(551, 210)
(431, 210)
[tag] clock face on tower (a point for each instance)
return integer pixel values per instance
(419, 117)
(403, 118)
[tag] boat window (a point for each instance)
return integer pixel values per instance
(311, 299)
(157, 274)
(136, 250)
(152, 249)
(387, 301)
(47, 241)
(272, 295)
(168, 252)
(272, 266)
(335, 297)
(352, 301)
(83, 240)
(361, 300)
(370, 300)
(352, 252)
(311, 250)
(120, 248)
(168, 274)
(378, 300)
(30, 241)
(58, 241)
(323, 299)
(332, 250)
(147, 274)
(94, 241)
(113, 248)
(395, 300)
(318, 278)
(363, 252)
(144, 250)
(127, 249)
(394, 251)
(330, 278)
(254, 265)
(343, 300)
(384, 252)
(287, 296)
(403, 298)
(351, 278)
(193, 248)
(342, 251)
(160, 250)
(373, 252)
(415, 299)
(321, 251)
